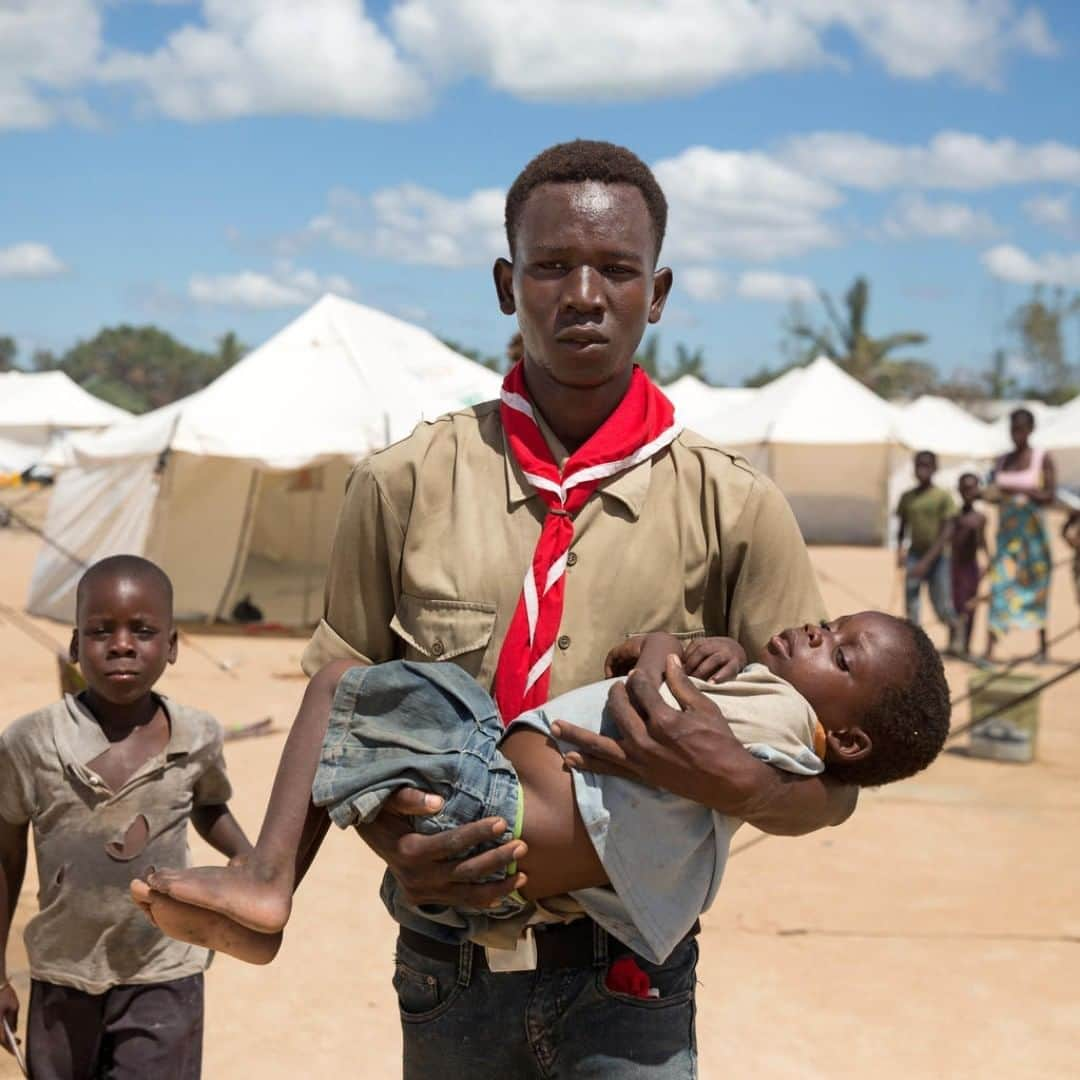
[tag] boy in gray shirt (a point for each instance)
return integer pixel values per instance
(864, 696)
(109, 779)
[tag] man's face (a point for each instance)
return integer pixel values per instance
(841, 667)
(124, 637)
(582, 281)
(925, 467)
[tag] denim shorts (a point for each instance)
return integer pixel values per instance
(428, 726)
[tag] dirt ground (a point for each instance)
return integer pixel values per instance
(936, 934)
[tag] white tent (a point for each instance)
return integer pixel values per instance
(938, 424)
(697, 404)
(829, 443)
(235, 489)
(36, 408)
(1061, 436)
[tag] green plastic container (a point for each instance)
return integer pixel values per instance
(1010, 735)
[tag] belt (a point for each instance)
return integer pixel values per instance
(575, 944)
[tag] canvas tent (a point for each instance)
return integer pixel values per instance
(697, 404)
(938, 424)
(1061, 436)
(235, 490)
(830, 444)
(36, 408)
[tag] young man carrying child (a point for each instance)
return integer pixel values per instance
(863, 697)
(968, 539)
(109, 780)
(926, 513)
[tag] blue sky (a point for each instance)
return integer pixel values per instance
(217, 165)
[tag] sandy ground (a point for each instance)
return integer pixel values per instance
(936, 934)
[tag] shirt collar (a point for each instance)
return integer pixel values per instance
(629, 487)
(89, 740)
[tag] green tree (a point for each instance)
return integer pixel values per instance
(1039, 324)
(8, 349)
(140, 367)
(846, 339)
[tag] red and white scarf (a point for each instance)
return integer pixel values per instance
(642, 423)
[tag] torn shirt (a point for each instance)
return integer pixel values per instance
(91, 841)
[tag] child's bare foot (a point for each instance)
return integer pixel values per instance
(201, 926)
(238, 891)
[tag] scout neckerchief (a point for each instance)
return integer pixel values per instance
(642, 423)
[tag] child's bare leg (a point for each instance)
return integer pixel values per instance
(210, 929)
(258, 892)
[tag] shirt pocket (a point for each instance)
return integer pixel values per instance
(458, 630)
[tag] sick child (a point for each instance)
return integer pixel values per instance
(108, 780)
(863, 696)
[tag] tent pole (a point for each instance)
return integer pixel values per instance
(306, 613)
(243, 545)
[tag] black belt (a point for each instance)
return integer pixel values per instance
(558, 945)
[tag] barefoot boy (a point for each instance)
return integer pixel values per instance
(864, 697)
(968, 539)
(108, 780)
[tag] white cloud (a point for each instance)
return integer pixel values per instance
(914, 216)
(287, 286)
(742, 204)
(46, 51)
(413, 224)
(952, 159)
(919, 39)
(632, 49)
(29, 261)
(274, 57)
(1054, 213)
(766, 285)
(703, 282)
(1011, 263)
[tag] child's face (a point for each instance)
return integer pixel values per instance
(840, 667)
(969, 488)
(124, 637)
(925, 467)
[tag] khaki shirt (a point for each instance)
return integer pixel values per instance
(436, 531)
(88, 933)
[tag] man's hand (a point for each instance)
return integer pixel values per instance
(716, 659)
(693, 753)
(9, 1011)
(920, 570)
(426, 867)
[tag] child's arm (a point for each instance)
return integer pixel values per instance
(216, 825)
(12, 867)
(901, 552)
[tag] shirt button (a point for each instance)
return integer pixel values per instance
(564, 642)
(571, 558)
(437, 648)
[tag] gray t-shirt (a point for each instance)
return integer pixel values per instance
(88, 933)
(663, 854)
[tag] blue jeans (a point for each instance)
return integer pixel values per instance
(462, 1022)
(939, 583)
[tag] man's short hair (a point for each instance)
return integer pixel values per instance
(909, 722)
(926, 455)
(577, 162)
(128, 567)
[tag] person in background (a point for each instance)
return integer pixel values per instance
(1022, 483)
(968, 539)
(926, 514)
(108, 780)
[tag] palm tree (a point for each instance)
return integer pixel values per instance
(848, 342)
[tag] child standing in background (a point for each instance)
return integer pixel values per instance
(108, 780)
(926, 517)
(968, 539)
